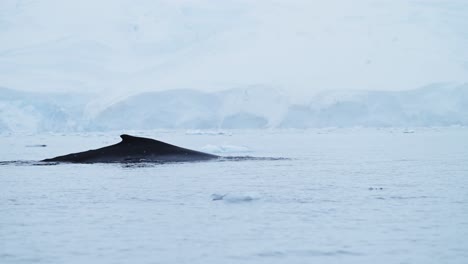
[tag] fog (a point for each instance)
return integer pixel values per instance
(301, 47)
(257, 64)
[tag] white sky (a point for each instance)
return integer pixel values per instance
(301, 46)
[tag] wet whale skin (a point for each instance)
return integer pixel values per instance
(135, 149)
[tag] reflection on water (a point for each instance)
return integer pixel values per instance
(140, 163)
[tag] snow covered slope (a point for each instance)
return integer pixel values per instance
(242, 108)
(436, 105)
(251, 108)
(30, 112)
(167, 64)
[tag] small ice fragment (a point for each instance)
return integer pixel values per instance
(217, 197)
(233, 198)
(225, 149)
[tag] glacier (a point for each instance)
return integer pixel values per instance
(254, 107)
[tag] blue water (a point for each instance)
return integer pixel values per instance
(341, 196)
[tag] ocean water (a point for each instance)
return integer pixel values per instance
(338, 196)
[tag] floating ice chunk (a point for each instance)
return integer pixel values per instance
(408, 131)
(225, 149)
(36, 146)
(207, 132)
(234, 198)
(217, 197)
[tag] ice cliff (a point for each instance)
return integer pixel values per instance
(242, 108)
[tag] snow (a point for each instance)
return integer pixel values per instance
(32, 112)
(204, 65)
(254, 107)
(437, 105)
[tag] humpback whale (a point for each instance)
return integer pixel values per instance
(135, 149)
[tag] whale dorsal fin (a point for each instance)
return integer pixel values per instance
(128, 138)
(132, 139)
(141, 140)
(149, 143)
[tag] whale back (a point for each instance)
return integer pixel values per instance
(135, 149)
(151, 146)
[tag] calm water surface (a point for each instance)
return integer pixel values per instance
(343, 196)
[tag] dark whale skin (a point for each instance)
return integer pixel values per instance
(135, 149)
